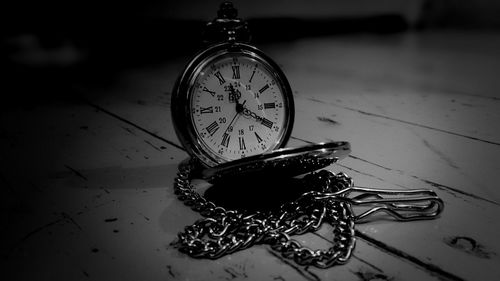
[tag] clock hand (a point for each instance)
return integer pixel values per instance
(239, 109)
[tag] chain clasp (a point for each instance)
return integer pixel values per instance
(403, 205)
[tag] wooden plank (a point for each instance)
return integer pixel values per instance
(98, 203)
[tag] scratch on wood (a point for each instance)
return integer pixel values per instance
(431, 268)
(134, 125)
(146, 218)
(367, 263)
(129, 131)
(38, 229)
(152, 145)
(366, 275)
(231, 272)
(328, 121)
(406, 122)
(70, 219)
(468, 245)
(372, 163)
(457, 92)
(76, 172)
(363, 173)
(439, 153)
(169, 267)
(235, 274)
(303, 140)
(65, 217)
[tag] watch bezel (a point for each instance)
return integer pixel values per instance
(181, 98)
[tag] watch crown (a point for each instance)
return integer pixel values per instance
(227, 11)
(227, 26)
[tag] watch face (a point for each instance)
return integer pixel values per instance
(238, 105)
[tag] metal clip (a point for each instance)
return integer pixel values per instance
(403, 205)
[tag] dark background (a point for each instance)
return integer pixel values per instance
(47, 46)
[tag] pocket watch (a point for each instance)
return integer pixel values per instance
(233, 111)
(231, 101)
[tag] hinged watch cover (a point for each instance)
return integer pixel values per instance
(288, 162)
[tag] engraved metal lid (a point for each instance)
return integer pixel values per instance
(282, 162)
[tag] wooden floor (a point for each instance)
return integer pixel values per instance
(88, 186)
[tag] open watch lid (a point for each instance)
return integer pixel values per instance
(288, 162)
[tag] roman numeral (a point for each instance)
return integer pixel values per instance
(259, 139)
(205, 89)
(264, 88)
(212, 128)
(236, 71)
(206, 110)
(267, 123)
(219, 76)
(269, 105)
(225, 140)
(242, 143)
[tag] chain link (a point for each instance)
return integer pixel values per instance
(223, 231)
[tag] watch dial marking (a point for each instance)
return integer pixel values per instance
(219, 76)
(268, 123)
(212, 128)
(259, 139)
(253, 73)
(242, 143)
(263, 89)
(205, 89)
(204, 110)
(236, 71)
(269, 105)
(225, 140)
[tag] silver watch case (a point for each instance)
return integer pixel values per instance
(180, 105)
